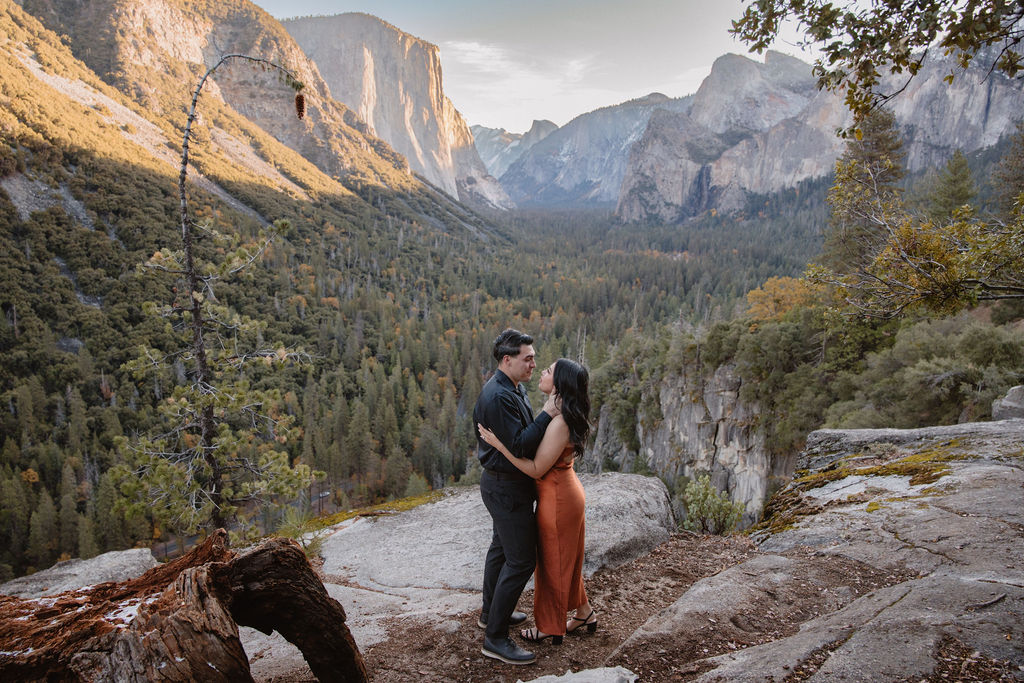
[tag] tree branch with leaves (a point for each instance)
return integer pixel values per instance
(887, 260)
(859, 42)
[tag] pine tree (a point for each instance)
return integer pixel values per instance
(43, 534)
(397, 469)
(77, 429)
(359, 443)
(867, 177)
(10, 455)
(68, 517)
(953, 188)
(87, 546)
(426, 455)
(68, 481)
(219, 451)
(112, 533)
(385, 424)
(15, 514)
(310, 421)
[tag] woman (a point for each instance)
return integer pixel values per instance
(558, 582)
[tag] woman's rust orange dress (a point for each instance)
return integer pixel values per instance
(558, 582)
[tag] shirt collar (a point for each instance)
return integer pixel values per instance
(505, 379)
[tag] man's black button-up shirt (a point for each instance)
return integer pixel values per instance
(504, 409)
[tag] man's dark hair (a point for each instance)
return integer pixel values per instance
(509, 342)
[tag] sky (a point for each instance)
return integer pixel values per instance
(507, 62)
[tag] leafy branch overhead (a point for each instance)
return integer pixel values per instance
(858, 43)
(886, 259)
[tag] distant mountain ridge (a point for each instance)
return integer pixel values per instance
(392, 80)
(584, 161)
(751, 128)
(712, 155)
(759, 128)
(499, 148)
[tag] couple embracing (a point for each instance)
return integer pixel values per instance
(526, 460)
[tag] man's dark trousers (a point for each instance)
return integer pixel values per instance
(512, 556)
(508, 495)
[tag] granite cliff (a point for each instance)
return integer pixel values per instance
(757, 128)
(392, 80)
(149, 48)
(702, 426)
(584, 161)
(499, 148)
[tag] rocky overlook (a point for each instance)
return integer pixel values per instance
(392, 80)
(892, 555)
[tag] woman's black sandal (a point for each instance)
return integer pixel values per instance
(533, 635)
(584, 621)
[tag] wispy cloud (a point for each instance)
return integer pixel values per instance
(486, 77)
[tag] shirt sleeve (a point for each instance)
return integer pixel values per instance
(507, 425)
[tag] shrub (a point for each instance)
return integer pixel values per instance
(707, 510)
(299, 526)
(417, 485)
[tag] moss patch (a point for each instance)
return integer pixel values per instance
(925, 466)
(388, 508)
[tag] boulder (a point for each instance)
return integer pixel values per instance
(615, 674)
(908, 537)
(1010, 406)
(118, 565)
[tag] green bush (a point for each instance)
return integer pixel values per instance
(417, 485)
(707, 510)
(301, 527)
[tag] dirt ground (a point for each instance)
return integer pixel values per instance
(625, 598)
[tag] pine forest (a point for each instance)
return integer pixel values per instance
(362, 322)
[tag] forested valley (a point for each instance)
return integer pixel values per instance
(384, 304)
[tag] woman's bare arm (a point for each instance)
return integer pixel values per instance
(551, 446)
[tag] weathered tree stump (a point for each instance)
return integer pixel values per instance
(179, 621)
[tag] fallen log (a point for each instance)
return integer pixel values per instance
(179, 621)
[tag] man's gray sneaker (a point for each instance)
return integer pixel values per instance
(507, 651)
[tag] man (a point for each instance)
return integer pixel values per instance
(508, 494)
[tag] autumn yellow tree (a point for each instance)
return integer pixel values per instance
(918, 263)
(778, 296)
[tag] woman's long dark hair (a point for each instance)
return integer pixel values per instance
(572, 384)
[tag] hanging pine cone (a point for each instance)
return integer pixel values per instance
(300, 105)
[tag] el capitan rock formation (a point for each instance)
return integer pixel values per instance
(392, 80)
